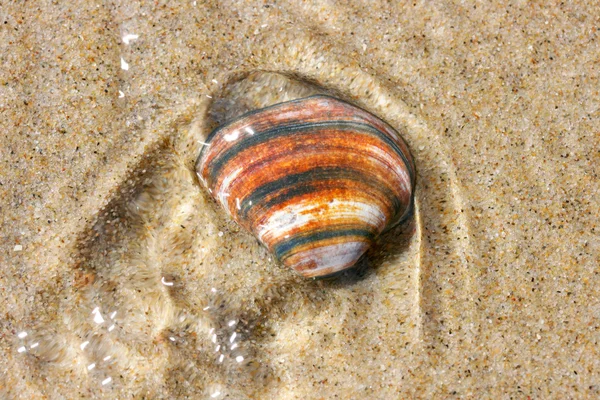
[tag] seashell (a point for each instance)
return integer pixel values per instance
(316, 180)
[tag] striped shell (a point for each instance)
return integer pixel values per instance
(316, 180)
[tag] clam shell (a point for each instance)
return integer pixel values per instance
(316, 180)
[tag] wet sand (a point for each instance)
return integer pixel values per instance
(122, 279)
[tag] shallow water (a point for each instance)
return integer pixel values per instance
(165, 282)
(122, 279)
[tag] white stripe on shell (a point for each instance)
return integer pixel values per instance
(332, 258)
(284, 222)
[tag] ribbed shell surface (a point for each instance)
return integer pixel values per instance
(315, 180)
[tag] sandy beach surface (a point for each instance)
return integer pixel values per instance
(121, 278)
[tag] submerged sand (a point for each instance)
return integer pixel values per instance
(122, 279)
